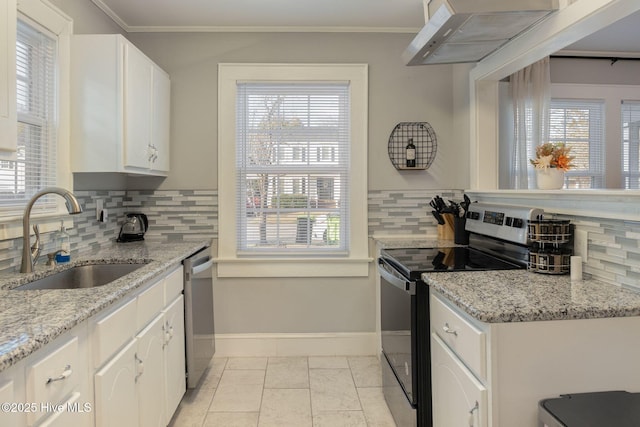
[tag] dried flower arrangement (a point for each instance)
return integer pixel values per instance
(550, 155)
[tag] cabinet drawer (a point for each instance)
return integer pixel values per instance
(467, 341)
(52, 378)
(70, 416)
(174, 284)
(112, 331)
(150, 303)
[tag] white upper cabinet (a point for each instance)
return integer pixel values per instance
(8, 115)
(120, 108)
(161, 115)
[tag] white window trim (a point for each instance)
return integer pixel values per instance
(356, 263)
(612, 96)
(51, 18)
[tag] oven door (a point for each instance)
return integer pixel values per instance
(398, 327)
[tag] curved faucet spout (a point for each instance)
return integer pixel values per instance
(73, 207)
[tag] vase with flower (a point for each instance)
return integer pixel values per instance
(551, 162)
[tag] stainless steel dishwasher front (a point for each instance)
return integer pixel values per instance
(198, 314)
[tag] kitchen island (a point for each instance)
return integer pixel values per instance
(31, 319)
(501, 341)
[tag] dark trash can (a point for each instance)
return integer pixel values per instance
(599, 409)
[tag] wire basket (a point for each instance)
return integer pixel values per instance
(423, 137)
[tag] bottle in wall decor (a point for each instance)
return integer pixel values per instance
(410, 154)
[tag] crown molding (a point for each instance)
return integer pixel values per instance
(245, 29)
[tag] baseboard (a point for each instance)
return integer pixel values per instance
(312, 344)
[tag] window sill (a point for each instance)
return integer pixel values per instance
(293, 267)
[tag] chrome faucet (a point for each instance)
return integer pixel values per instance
(28, 251)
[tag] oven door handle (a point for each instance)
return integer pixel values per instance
(395, 278)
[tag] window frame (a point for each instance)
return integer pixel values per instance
(630, 175)
(612, 94)
(597, 144)
(57, 23)
(353, 263)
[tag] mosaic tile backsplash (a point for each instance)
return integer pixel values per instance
(173, 216)
(183, 215)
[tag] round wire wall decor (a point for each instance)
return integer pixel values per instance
(424, 139)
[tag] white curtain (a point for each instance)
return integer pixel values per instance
(530, 92)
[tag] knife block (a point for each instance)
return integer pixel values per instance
(446, 231)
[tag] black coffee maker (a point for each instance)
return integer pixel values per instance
(134, 227)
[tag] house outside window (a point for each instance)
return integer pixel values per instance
(293, 137)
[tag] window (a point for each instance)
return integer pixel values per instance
(296, 191)
(578, 123)
(293, 137)
(35, 165)
(42, 86)
(630, 120)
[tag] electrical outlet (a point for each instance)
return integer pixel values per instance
(99, 208)
(581, 244)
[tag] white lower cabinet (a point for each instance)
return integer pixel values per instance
(459, 399)
(12, 391)
(115, 390)
(150, 370)
(509, 367)
(69, 417)
(174, 355)
(123, 367)
(150, 384)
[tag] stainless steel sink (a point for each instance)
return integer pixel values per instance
(82, 276)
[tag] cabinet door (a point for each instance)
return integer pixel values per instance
(150, 380)
(160, 126)
(8, 117)
(115, 390)
(8, 418)
(459, 399)
(176, 384)
(137, 106)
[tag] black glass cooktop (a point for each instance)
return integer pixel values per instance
(412, 262)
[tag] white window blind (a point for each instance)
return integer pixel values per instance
(630, 121)
(35, 167)
(292, 156)
(579, 123)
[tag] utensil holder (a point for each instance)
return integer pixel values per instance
(446, 231)
(461, 235)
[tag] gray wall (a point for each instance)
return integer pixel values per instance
(595, 71)
(396, 93)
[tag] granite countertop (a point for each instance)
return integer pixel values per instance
(522, 296)
(32, 318)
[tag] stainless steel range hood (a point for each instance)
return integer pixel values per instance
(468, 30)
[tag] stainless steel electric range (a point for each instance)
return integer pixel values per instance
(497, 241)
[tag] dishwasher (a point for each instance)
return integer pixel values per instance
(198, 314)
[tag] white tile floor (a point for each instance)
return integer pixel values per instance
(287, 392)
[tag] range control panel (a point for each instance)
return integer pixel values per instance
(501, 221)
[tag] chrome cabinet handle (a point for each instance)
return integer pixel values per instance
(63, 376)
(475, 408)
(447, 329)
(140, 367)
